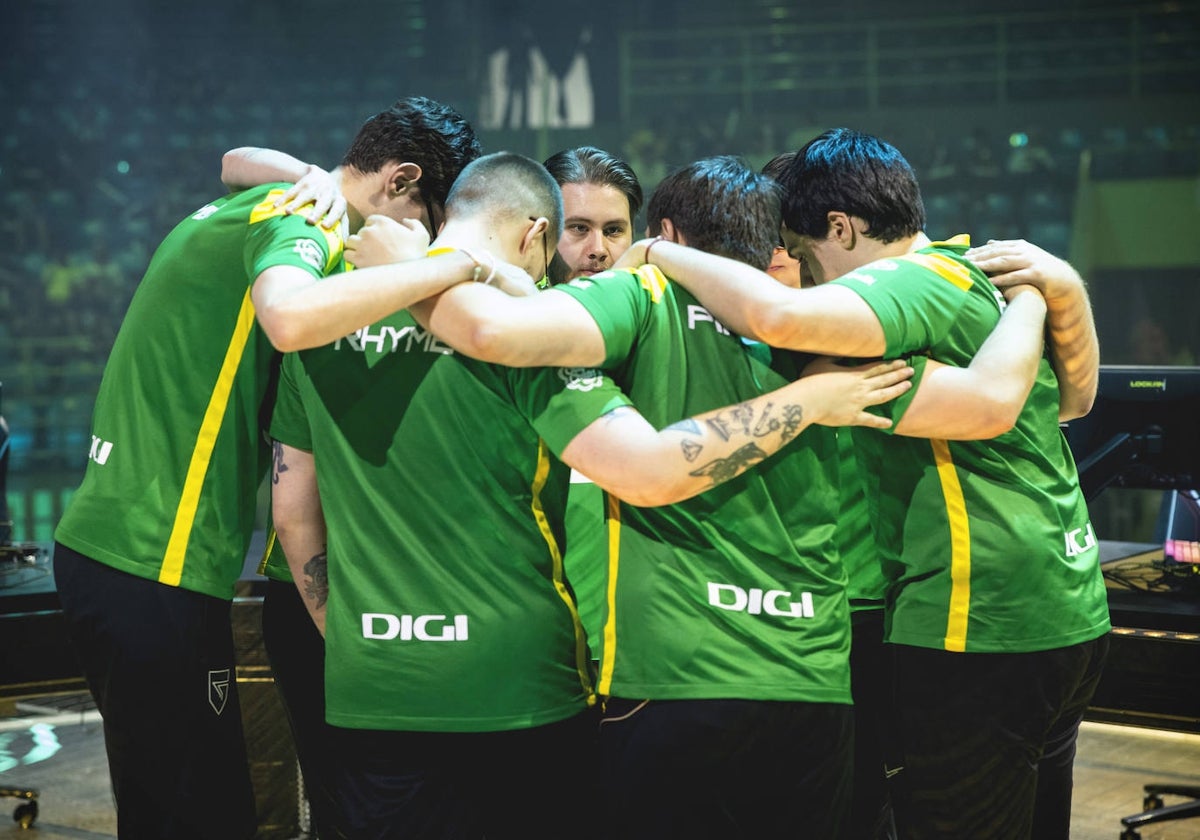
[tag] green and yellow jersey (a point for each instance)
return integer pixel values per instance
(178, 447)
(987, 544)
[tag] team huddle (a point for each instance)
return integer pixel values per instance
(753, 527)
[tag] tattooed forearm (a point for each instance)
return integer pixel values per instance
(316, 582)
(277, 465)
(724, 469)
(691, 450)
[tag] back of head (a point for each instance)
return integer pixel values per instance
(589, 165)
(503, 186)
(857, 174)
(721, 206)
(417, 129)
(777, 165)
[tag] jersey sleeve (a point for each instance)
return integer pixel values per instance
(894, 409)
(618, 302)
(562, 402)
(289, 423)
(277, 238)
(916, 297)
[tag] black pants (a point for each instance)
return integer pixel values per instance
(986, 743)
(871, 684)
(724, 769)
(296, 652)
(522, 784)
(159, 662)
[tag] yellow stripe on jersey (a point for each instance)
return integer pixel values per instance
(653, 281)
(582, 658)
(957, 239)
(960, 548)
(266, 555)
(944, 267)
(335, 240)
(193, 483)
(610, 596)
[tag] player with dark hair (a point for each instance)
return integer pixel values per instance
(726, 631)
(997, 617)
(422, 483)
(151, 544)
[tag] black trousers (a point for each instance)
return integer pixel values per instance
(986, 741)
(521, 784)
(159, 661)
(296, 652)
(724, 769)
(871, 684)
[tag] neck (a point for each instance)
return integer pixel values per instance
(352, 190)
(472, 233)
(876, 250)
(916, 243)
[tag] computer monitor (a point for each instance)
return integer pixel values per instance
(1142, 432)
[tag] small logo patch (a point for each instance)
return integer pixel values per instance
(309, 251)
(581, 379)
(218, 689)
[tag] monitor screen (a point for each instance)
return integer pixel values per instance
(1142, 432)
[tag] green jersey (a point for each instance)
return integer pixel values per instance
(178, 449)
(856, 540)
(737, 592)
(448, 607)
(987, 544)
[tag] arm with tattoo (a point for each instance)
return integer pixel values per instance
(300, 524)
(626, 456)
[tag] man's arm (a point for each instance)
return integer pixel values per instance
(1074, 346)
(625, 455)
(984, 399)
(830, 320)
(249, 166)
(549, 329)
(300, 525)
(297, 311)
(503, 321)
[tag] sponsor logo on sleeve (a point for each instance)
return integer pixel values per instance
(310, 252)
(581, 379)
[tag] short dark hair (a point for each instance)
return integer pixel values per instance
(507, 184)
(589, 165)
(722, 206)
(776, 165)
(857, 174)
(432, 135)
